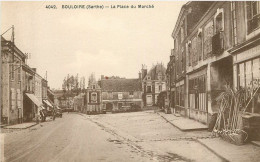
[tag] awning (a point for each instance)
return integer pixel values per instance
(48, 103)
(34, 99)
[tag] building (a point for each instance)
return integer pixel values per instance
(11, 82)
(22, 88)
(120, 94)
(170, 83)
(64, 99)
(93, 97)
(79, 102)
(210, 55)
(28, 89)
(245, 39)
(153, 83)
(50, 95)
(45, 100)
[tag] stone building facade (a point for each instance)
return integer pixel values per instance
(209, 54)
(120, 94)
(153, 82)
(11, 82)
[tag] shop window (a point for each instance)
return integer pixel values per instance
(249, 76)
(253, 15)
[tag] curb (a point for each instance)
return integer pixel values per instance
(21, 128)
(255, 144)
(211, 150)
(168, 121)
(184, 130)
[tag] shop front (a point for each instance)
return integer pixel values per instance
(197, 96)
(247, 76)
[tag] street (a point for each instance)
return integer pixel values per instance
(139, 136)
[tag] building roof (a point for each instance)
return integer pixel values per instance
(157, 69)
(121, 85)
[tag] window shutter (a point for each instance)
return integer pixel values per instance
(248, 9)
(13, 98)
(18, 98)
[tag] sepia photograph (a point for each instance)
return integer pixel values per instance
(130, 81)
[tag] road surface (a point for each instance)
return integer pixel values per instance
(140, 136)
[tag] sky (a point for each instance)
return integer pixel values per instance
(110, 42)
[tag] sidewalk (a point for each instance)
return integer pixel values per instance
(20, 126)
(184, 124)
(230, 152)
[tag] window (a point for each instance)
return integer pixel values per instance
(19, 73)
(120, 96)
(180, 95)
(219, 23)
(247, 72)
(199, 45)
(182, 33)
(160, 88)
(253, 15)
(234, 22)
(182, 60)
(208, 33)
(131, 93)
(93, 97)
(93, 87)
(12, 71)
(149, 89)
(189, 53)
(194, 51)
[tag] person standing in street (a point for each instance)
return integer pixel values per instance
(53, 114)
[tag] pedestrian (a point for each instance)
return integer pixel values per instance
(53, 114)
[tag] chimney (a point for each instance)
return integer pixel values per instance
(140, 76)
(144, 71)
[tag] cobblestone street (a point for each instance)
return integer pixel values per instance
(140, 136)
